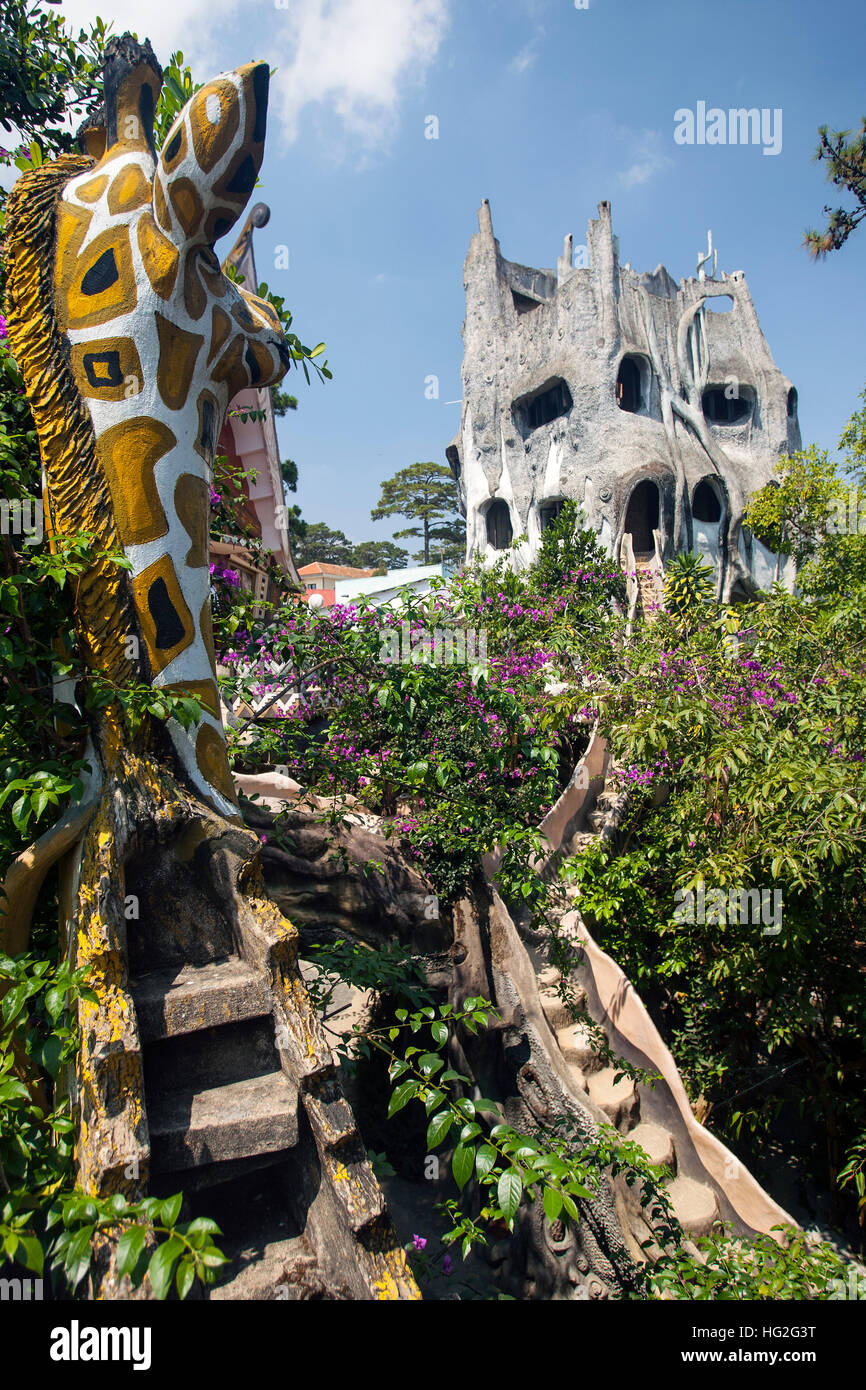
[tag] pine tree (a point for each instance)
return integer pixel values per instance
(426, 493)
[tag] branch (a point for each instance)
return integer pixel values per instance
(27, 873)
(296, 681)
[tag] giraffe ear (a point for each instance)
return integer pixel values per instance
(211, 158)
(132, 80)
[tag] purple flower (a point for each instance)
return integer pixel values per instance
(447, 1264)
(3, 332)
(419, 1242)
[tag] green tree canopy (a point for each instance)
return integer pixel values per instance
(425, 493)
(845, 157)
(321, 543)
(384, 555)
(47, 75)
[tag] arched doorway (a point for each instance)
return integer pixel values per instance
(706, 503)
(499, 531)
(628, 391)
(642, 517)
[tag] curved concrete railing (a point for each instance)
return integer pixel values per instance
(615, 1004)
(632, 588)
(568, 814)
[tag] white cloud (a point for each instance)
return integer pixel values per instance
(193, 26)
(355, 57)
(648, 154)
(525, 59)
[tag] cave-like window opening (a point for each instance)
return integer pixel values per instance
(499, 531)
(723, 409)
(628, 393)
(642, 517)
(549, 511)
(705, 503)
(546, 406)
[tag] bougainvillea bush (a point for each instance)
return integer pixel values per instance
(447, 715)
(742, 733)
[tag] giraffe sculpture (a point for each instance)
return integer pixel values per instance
(132, 342)
(159, 341)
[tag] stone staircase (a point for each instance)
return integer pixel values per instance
(237, 1097)
(214, 1088)
(651, 595)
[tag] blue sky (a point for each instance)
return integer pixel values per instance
(545, 110)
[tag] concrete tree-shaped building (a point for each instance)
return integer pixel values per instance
(657, 407)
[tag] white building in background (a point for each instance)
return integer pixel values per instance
(656, 406)
(389, 590)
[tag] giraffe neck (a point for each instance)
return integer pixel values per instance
(159, 341)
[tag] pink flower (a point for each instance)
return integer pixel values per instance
(419, 1242)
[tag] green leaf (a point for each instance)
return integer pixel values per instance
(185, 1275)
(508, 1193)
(439, 1127)
(584, 1193)
(485, 1159)
(212, 1257)
(402, 1096)
(129, 1249)
(434, 1099)
(34, 1257)
(78, 1256)
(51, 1050)
(552, 1203)
(203, 1225)
(162, 1263)
(462, 1164)
(171, 1209)
(570, 1207)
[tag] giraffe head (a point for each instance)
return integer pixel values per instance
(159, 341)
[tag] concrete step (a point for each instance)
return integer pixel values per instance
(548, 978)
(694, 1204)
(269, 1271)
(211, 1057)
(581, 841)
(183, 999)
(657, 1144)
(578, 1048)
(618, 1099)
(246, 1118)
(557, 1015)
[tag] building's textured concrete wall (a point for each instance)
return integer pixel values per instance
(527, 328)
